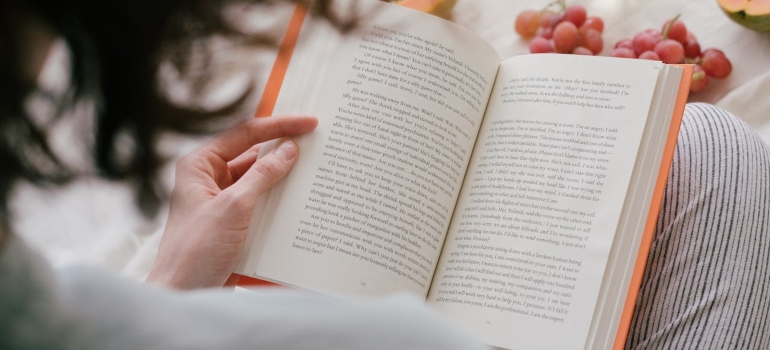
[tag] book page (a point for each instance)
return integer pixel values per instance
(365, 211)
(537, 216)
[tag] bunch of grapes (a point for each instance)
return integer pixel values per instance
(570, 30)
(674, 44)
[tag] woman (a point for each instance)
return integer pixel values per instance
(703, 286)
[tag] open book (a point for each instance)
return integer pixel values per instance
(518, 198)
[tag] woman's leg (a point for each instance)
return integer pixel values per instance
(707, 281)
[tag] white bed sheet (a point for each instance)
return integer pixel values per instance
(94, 222)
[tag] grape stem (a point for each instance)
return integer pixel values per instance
(698, 76)
(562, 5)
(696, 60)
(664, 35)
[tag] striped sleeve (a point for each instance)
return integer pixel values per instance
(707, 281)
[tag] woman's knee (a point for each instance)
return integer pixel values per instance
(707, 128)
(712, 140)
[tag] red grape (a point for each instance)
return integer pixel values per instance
(716, 64)
(627, 43)
(592, 40)
(582, 51)
(714, 50)
(545, 32)
(556, 20)
(594, 22)
(677, 32)
(699, 79)
(644, 41)
(527, 23)
(623, 52)
(565, 37)
(575, 14)
(540, 45)
(653, 32)
(546, 18)
(691, 48)
(649, 55)
(670, 51)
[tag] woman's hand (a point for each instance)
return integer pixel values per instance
(214, 196)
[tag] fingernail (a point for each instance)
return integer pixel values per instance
(286, 150)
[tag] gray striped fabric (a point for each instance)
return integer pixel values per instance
(707, 281)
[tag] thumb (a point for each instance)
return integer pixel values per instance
(266, 171)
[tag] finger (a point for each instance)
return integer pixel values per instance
(238, 166)
(265, 173)
(240, 138)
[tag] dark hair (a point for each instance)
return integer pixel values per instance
(117, 47)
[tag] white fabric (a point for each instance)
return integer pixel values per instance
(95, 222)
(87, 309)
